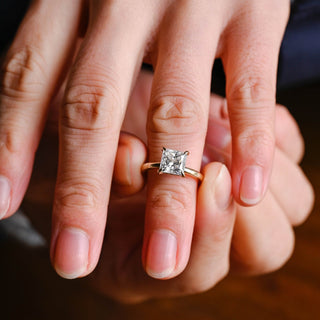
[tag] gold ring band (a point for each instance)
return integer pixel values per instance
(156, 165)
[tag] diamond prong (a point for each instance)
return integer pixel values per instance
(186, 153)
(173, 162)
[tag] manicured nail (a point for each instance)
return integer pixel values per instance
(161, 255)
(5, 191)
(71, 253)
(222, 189)
(251, 185)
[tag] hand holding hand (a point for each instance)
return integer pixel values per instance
(226, 235)
(180, 39)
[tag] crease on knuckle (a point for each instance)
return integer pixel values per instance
(177, 115)
(79, 196)
(91, 107)
(10, 142)
(259, 142)
(251, 91)
(23, 73)
(168, 198)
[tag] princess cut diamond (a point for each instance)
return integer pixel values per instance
(173, 162)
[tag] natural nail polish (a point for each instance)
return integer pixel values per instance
(222, 189)
(251, 185)
(161, 255)
(71, 253)
(5, 191)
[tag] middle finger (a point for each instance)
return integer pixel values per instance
(90, 121)
(177, 120)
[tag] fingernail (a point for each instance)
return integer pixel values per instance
(222, 189)
(251, 185)
(218, 136)
(71, 253)
(5, 191)
(161, 256)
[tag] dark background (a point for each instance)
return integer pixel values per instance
(29, 288)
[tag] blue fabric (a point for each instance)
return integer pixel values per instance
(299, 60)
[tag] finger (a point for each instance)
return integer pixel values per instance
(291, 188)
(177, 120)
(218, 141)
(90, 122)
(250, 60)
(127, 177)
(288, 135)
(263, 239)
(30, 73)
(209, 259)
(136, 114)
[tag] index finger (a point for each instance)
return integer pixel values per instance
(90, 121)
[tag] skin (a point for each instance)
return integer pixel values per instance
(180, 39)
(227, 237)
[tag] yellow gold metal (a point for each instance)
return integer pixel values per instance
(155, 165)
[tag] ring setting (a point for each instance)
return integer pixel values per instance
(172, 162)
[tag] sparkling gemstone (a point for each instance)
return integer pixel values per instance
(173, 162)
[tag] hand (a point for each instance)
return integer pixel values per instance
(262, 238)
(180, 39)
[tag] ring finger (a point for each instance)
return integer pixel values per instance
(177, 120)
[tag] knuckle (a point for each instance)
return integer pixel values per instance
(260, 143)
(304, 206)
(288, 134)
(168, 198)
(91, 107)
(83, 196)
(270, 257)
(225, 229)
(11, 143)
(206, 280)
(172, 115)
(251, 91)
(281, 251)
(23, 73)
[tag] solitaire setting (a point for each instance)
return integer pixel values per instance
(172, 162)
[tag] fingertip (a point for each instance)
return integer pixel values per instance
(71, 253)
(216, 186)
(162, 252)
(127, 176)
